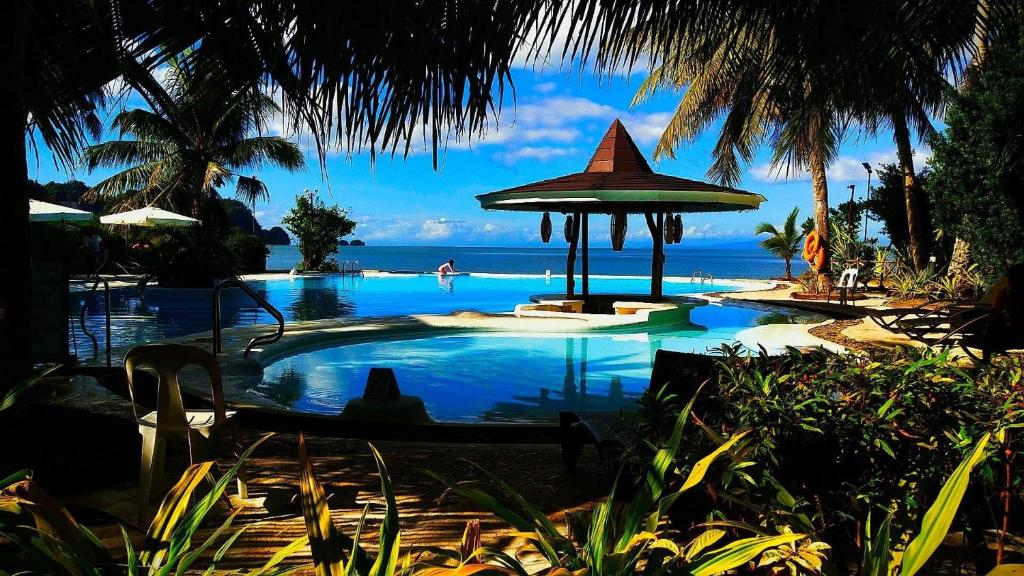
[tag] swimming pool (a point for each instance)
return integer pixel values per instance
(160, 313)
(475, 377)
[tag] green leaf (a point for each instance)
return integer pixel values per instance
(281, 555)
(739, 553)
(390, 532)
(877, 550)
(324, 543)
(940, 514)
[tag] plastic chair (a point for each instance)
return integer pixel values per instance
(846, 286)
(171, 418)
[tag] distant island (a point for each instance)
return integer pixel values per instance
(357, 242)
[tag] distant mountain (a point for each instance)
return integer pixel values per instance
(276, 236)
(357, 242)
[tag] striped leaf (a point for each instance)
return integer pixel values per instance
(654, 481)
(390, 532)
(324, 543)
(172, 508)
(940, 514)
(181, 537)
(740, 552)
(696, 475)
(877, 550)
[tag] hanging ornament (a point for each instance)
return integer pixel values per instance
(677, 229)
(567, 230)
(669, 224)
(545, 228)
(618, 230)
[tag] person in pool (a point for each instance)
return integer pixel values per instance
(447, 268)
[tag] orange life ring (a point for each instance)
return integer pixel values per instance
(811, 245)
(819, 260)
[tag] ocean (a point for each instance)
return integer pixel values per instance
(680, 260)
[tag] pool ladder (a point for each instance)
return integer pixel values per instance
(699, 274)
(351, 267)
(260, 300)
(97, 280)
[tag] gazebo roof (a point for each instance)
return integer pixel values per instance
(619, 179)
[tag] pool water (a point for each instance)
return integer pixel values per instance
(506, 377)
(161, 313)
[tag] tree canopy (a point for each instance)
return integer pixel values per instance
(977, 185)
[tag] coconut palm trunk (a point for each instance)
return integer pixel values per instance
(819, 189)
(16, 303)
(917, 220)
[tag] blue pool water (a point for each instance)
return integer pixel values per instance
(502, 377)
(160, 313)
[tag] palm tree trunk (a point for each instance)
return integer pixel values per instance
(819, 188)
(16, 294)
(789, 270)
(917, 220)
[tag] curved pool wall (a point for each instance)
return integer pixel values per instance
(473, 376)
(161, 313)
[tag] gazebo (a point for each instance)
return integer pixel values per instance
(618, 181)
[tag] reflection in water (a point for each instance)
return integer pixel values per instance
(573, 396)
(446, 283)
(287, 389)
(320, 302)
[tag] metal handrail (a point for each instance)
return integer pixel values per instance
(698, 273)
(106, 312)
(707, 276)
(262, 338)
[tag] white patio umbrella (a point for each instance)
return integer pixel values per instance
(148, 216)
(39, 211)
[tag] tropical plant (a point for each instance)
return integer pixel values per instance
(202, 135)
(328, 546)
(619, 539)
(42, 537)
(318, 229)
(783, 243)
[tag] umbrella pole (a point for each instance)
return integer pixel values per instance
(570, 263)
(586, 255)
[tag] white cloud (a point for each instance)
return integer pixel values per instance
(393, 229)
(545, 87)
(541, 153)
(439, 229)
(846, 168)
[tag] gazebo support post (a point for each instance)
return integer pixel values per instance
(656, 228)
(570, 261)
(585, 265)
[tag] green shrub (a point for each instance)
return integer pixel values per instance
(847, 435)
(249, 252)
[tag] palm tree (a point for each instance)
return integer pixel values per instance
(783, 243)
(871, 61)
(352, 75)
(181, 155)
(762, 82)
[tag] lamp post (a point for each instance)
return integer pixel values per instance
(849, 218)
(868, 197)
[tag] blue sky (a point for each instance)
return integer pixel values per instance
(550, 130)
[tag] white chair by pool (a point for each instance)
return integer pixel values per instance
(846, 286)
(170, 418)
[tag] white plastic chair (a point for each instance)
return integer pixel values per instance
(171, 419)
(847, 285)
